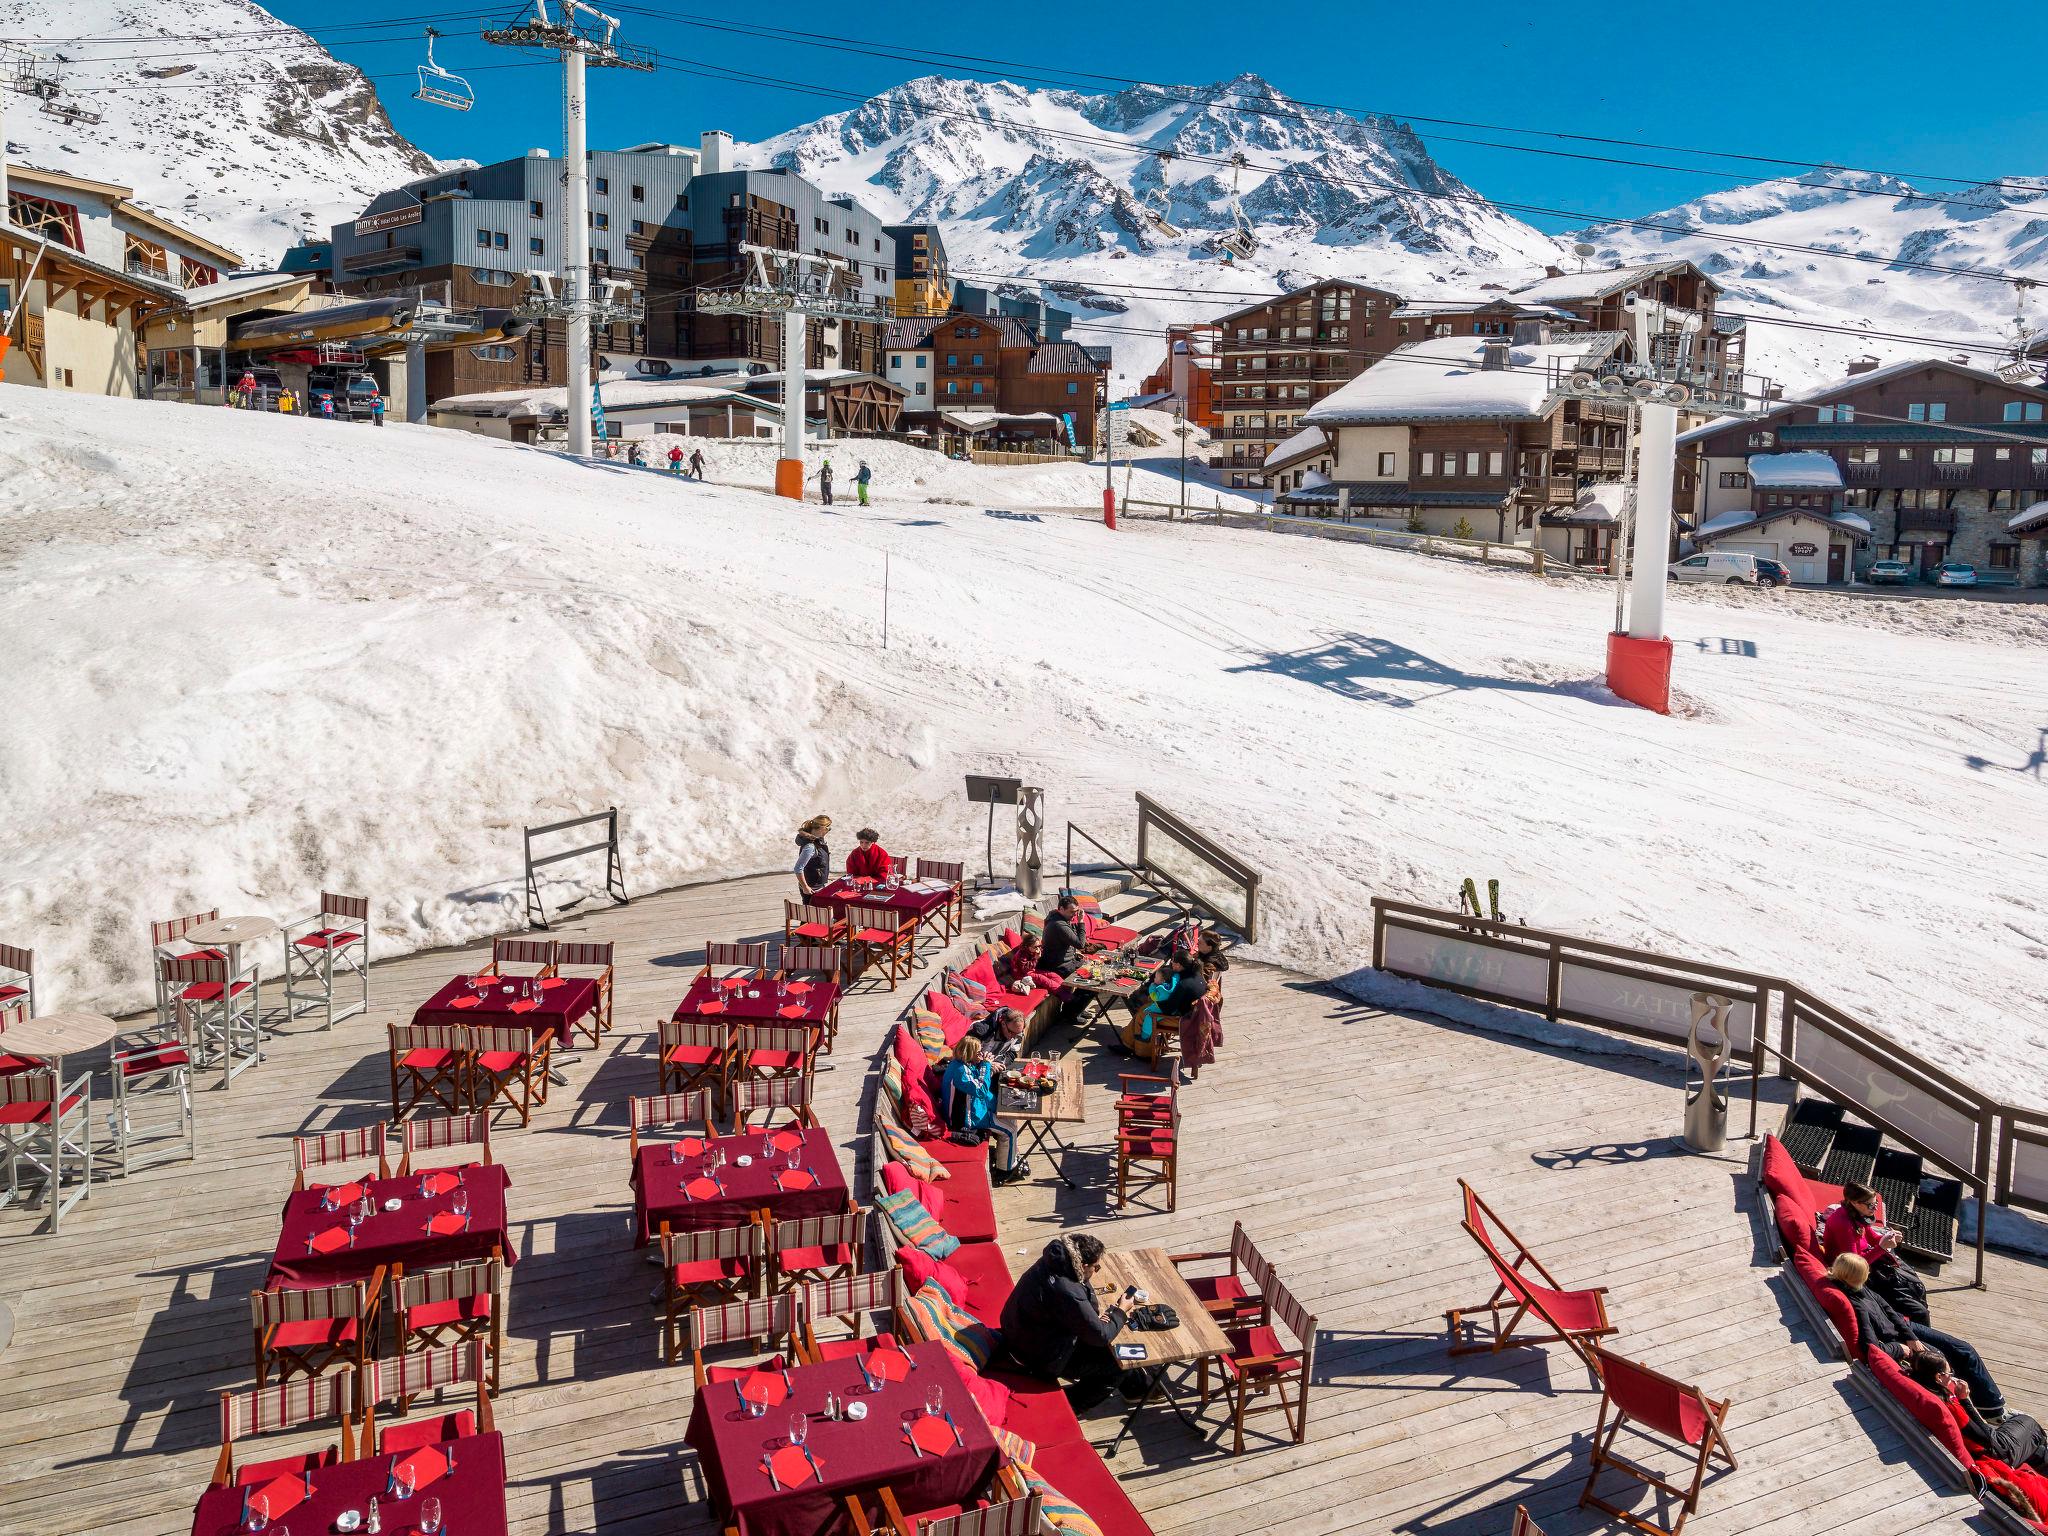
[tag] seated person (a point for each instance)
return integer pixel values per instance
(1066, 946)
(967, 1103)
(1881, 1327)
(1857, 1226)
(1170, 998)
(1016, 968)
(869, 859)
(1002, 1037)
(2016, 1439)
(1054, 1329)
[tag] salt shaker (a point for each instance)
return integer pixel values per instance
(373, 1523)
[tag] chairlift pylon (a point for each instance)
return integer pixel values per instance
(441, 87)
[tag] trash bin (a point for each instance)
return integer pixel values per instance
(1706, 1105)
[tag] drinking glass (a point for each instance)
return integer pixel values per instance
(935, 1400)
(767, 1144)
(258, 1519)
(796, 1158)
(401, 1475)
(364, 1208)
(461, 1201)
(430, 1517)
(799, 1426)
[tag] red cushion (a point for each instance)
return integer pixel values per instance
(984, 1278)
(814, 1257)
(917, 1266)
(983, 970)
(694, 1055)
(1037, 1410)
(954, 1157)
(1011, 938)
(414, 1433)
(896, 1179)
(817, 931)
(707, 1271)
(970, 1207)
(1073, 1467)
(209, 991)
(1100, 932)
(33, 1113)
(1226, 1289)
(1141, 1143)
(773, 1061)
(1248, 1343)
(463, 1309)
(256, 1473)
(876, 936)
(917, 1100)
(1814, 1276)
(9, 1064)
(501, 1061)
(915, 1063)
(157, 1059)
(426, 1059)
(951, 1019)
(1796, 1225)
(1929, 1410)
(313, 1332)
(328, 938)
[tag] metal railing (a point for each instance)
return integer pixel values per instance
(614, 868)
(1191, 871)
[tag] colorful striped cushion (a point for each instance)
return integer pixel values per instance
(917, 1225)
(1015, 1448)
(904, 1149)
(1034, 926)
(931, 1034)
(933, 1314)
(892, 1080)
(1060, 1512)
(1084, 901)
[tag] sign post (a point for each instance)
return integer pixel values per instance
(1112, 439)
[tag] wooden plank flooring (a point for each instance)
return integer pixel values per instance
(1334, 1131)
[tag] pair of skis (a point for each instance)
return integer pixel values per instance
(1468, 900)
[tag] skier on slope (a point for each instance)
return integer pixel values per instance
(825, 482)
(861, 479)
(697, 464)
(675, 462)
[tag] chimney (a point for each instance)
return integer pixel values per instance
(536, 154)
(1865, 364)
(1960, 359)
(715, 152)
(1553, 271)
(1493, 357)
(1532, 333)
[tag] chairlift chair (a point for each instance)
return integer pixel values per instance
(440, 87)
(1240, 243)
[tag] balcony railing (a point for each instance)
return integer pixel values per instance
(1864, 474)
(1954, 474)
(1922, 517)
(382, 260)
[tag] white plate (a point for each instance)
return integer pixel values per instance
(743, 1161)
(392, 1205)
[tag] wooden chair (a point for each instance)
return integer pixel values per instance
(539, 953)
(770, 1094)
(695, 1054)
(804, 1249)
(1576, 1318)
(1261, 1364)
(1148, 1145)
(763, 1051)
(331, 942)
(710, 1266)
(429, 1065)
(438, 1133)
(754, 1322)
(816, 963)
(18, 977)
(954, 912)
(1650, 1401)
(216, 1006)
(287, 1405)
(1524, 1525)
(460, 1304)
(849, 1298)
(882, 936)
(1233, 1296)
(803, 923)
(735, 958)
(507, 1064)
(1015, 1515)
(400, 1379)
(688, 1112)
(330, 1148)
(312, 1332)
(596, 958)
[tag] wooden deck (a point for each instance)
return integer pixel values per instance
(1334, 1131)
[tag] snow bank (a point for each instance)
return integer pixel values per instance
(252, 656)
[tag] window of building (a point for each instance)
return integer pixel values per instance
(1496, 463)
(2022, 410)
(2038, 458)
(601, 185)
(822, 226)
(682, 202)
(500, 240)
(492, 277)
(533, 206)
(1865, 455)
(920, 387)
(1472, 464)
(600, 221)
(969, 332)
(1905, 454)
(1428, 465)
(952, 386)
(1734, 480)
(2005, 557)
(535, 246)
(1387, 469)
(976, 359)
(483, 239)
(1763, 439)
(952, 359)
(920, 359)
(1073, 387)
(2002, 455)
(601, 254)
(1840, 413)
(639, 194)
(977, 386)
(1955, 456)
(639, 227)
(1237, 479)
(1927, 411)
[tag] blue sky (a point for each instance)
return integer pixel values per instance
(1954, 91)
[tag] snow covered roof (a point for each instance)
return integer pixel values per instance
(246, 286)
(1740, 519)
(1801, 471)
(1822, 393)
(1443, 379)
(1309, 440)
(1579, 287)
(624, 394)
(981, 421)
(2033, 520)
(1602, 502)
(1412, 309)
(1724, 522)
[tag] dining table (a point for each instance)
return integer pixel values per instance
(49, 1038)
(413, 1221)
(927, 901)
(674, 1185)
(1196, 1335)
(547, 1005)
(465, 1477)
(761, 999)
(770, 1486)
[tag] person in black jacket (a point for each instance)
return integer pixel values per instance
(1054, 1329)
(1063, 949)
(1879, 1326)
(813, 858)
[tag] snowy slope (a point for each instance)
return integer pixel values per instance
(265, 136)
(223, 692)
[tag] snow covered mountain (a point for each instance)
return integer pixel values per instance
(1094, 195)
(220, 116)
(1862, 227)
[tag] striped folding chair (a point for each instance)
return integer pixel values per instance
(46, 1132)
(167, 941)
(331, 1148)
(816, 963)
(807, 1248)
(759, 1320)
(850, 1298)
(459, 1304)
(217, 1007)
(770, 1050)
(768, 1094)
(429, 1066)
(18, 977)
(711, 1266)
(14, 1013)
(954, 912)
(1262, 1364)
(150, 1072)
(400, 1379)
(439, 1133)
(596, 958)
(314, 1331)
(803, 923)
(882, 936)
(687, 1112)
(505, 1063)
(287, 1405)
(1016, 1516)
(333, 940)
(735, 958)
(539, 953)
(694, 1053)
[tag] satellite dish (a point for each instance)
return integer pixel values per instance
(1582, 250)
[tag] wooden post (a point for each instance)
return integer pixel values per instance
(1537, 555)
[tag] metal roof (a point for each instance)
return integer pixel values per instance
(1392, 493)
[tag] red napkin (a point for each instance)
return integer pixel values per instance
(439, 1183)
(933, 1436)
(793, 1468)
(792, 1010)
(446, 1223)
(332, 1239)
(889, 1364)
(702, 1189)
(794, 1179)
(280, 1497)
(426, 1465)
(786, 1141)
(548, 983)
(767, 1387)
(714, 1006)
(732, 983)
(690, 1146)
(339, 1195)
(524, 1005)
(468, 1000)
(479, 980)
(798, 987)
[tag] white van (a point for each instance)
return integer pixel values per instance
(1716, 566)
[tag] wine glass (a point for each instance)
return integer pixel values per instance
(430, 1517)
(364, 1207)
(799, 1426)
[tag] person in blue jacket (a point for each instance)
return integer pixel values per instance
(967, 1100)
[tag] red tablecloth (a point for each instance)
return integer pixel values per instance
(558, 1002)
(472, 1495)
(841, 894)
(392, 1237)
(851, 1457)
(658, 1182)
(758, 1001)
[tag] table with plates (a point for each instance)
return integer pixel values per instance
(1110, 978)
(413, 1221)
(465, 1478)
(675, 1184)
(771, 1487)
(1038, 1115)
(546, 1005)
(927, 901)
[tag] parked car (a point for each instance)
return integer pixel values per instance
(1889, 573)
(1955, 573)
(1716, 565)
(1769, 573)
(361, 397)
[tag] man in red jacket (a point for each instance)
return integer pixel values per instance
(869, 859)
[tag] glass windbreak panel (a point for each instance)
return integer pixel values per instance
(1191, 868)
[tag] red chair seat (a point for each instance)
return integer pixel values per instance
(707, 1271)
(1074, 1468)
(954, 1157)
(312, 1332)
(413, 1434)
(876, 936)
(1572, 1310)
(775, 1061)
(1224, 1291)
(1248, 1344)
(1110, 933)
(9, 994)
(717, 1373)
(426, 1059)
(328, 938)
(11, 1064)
(815, 1258)
(155, 1059)
(501, 1061)
(1038, 1410)
(693, 1055)
(34, 1113)
(458, 1309)
(817, 931)
(848, 1349)
(210, 991)
(916, 1517)
(257, 1473)
(1144, 1144)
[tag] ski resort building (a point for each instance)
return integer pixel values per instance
(1189, 373)
(924, 284)
(1936, 458)
(988, 382)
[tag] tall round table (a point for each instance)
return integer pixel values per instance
(51, 1037)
